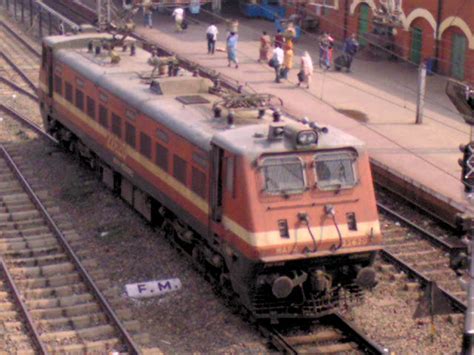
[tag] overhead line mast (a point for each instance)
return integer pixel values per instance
(104, 14)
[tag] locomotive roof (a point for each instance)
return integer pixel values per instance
(193, 121)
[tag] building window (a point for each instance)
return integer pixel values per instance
(179, 169)
(68, 92)
(91, 107)
(145, 145)
(58, 84)
(103, 116)
(116, 125)
(80, 100)
(161, 156)
(199, 183)
(130, 134)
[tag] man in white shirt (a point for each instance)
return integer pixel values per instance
(211, 35)
(178, 15)
(277, 59)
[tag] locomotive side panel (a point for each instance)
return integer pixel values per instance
(150, 156)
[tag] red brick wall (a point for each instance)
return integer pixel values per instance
(333, 22)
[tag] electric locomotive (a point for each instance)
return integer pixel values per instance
(280, 211)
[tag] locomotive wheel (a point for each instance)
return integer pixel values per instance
(168, 230)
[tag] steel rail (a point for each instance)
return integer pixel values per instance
(439, 242)
(24, 310)
(19, 71)
(132, 347)
(336, 320)
(368, 346)
(455, 301)
(20, 39)
(42, 6)
(18, 88)
(50, 4)
(28, 123)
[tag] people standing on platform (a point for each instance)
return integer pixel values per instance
(265, 46)
(178, 14)
(277, 61)
(306, 70)
(147, 7)
(325, 51)
(61, 28)
(211, 35)
(287, 58)
(231, 45)
(350, 48)
(279, 39)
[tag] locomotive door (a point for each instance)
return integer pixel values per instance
(216, 195)
(48, 65)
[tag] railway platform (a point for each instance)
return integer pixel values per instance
(376, 103)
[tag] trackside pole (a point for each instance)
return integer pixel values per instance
(420, 101)
(468, 336)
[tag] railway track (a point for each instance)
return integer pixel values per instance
(60, 299)
(19, 63)
(422, 254)
(332, 334)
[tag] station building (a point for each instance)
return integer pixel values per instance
(440, 29)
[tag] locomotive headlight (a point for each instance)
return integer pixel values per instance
(306, 138)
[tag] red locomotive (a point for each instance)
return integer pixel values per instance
(281, 212)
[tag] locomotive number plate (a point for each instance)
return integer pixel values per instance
(355, 242)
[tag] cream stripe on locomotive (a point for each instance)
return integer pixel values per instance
(364, 232)
(255, 239)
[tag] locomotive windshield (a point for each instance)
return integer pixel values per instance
(283, 175)
(335, 170)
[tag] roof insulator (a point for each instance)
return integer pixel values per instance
(230, 119)
(276, 116)
(217, 112)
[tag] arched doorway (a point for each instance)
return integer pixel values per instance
(422, 43)
(416, 47)
(458, 55)
(454, 52)
(363, 27)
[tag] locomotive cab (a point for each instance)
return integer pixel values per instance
(307, 216)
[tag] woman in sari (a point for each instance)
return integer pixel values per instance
(306, 70)
(287, 59)
(265, 46)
